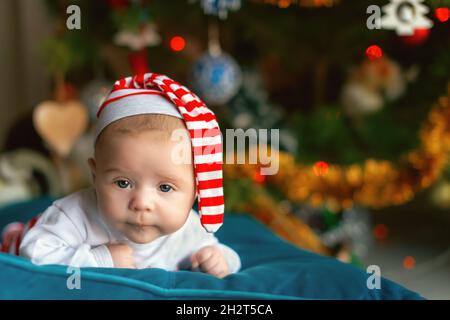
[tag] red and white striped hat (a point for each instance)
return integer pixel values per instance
(152, 93)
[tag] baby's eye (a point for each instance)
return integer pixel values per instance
(123, 184)
(165, 188)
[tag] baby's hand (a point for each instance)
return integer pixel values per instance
(122, 255)
(211, 260)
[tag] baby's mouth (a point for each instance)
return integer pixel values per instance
(138, 226)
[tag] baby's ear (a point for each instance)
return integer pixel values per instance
(91, 163)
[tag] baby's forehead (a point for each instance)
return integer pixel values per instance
(170, 149)
(165, 136)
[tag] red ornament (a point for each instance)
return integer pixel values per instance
(374, 52)
(65, 92)
(320, 168)
(177, 43)
(442, 14)
(139, 61)
(418, 38)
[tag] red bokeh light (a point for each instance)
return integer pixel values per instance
(374, 52)
(258, 177)
(442, 14)
(320, 168)
(409, 262)
(380, 231)
(177, 43)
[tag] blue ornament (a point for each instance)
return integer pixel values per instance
(216, 78)
(220, 8)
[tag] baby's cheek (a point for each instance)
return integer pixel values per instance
(174, 225)
(111, 203)
(175, 221)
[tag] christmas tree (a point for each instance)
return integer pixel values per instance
(360, 95)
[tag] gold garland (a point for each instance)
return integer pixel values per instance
(303, 3)
(375, 183)
(284, 223)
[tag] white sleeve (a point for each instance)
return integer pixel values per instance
(57, 239)
(196, 237)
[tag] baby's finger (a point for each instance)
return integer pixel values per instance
(204, 255)
(194, 262)
(209, 265)
(220, 270)
(201, 256)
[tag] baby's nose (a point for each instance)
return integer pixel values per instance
(142, 201)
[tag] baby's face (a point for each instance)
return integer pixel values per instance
(141, 192)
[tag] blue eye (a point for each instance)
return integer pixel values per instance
(123, 184)
(165, 188)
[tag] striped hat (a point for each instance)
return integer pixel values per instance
(152, 93)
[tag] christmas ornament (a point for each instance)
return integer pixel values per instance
(417, 38)
(370, 84)
(440, 195)
(405, 16)
(145, 36)
(136, 32)
(216, 77)
(220, 8)
(60, 124)
(353, 230)
(139, 61)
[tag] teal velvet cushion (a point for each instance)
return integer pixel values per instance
(271, 269)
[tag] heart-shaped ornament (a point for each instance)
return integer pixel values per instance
(60, 124)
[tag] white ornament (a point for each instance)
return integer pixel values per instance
(405, 16)
(359, 99)
(145, 37)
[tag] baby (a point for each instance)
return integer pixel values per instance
(138, 213)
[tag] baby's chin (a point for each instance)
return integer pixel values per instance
(141, 235)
